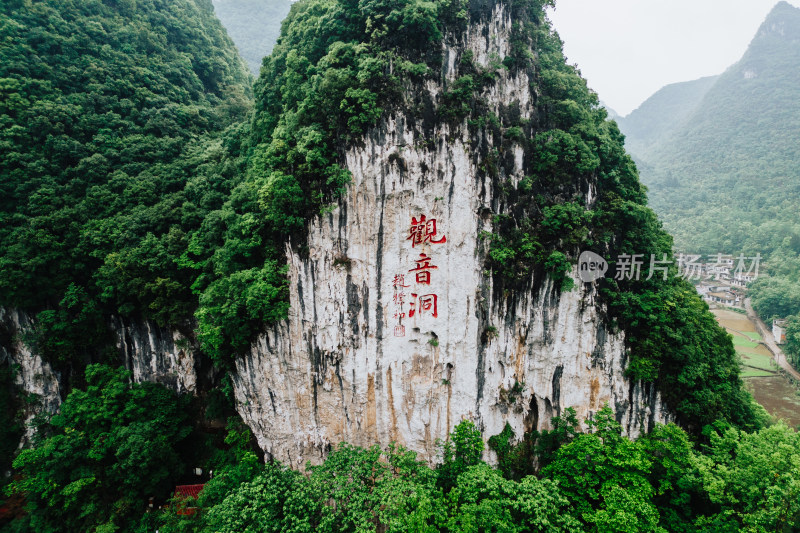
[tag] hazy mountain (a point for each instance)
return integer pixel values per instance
(254, 25)
(612, 114)
(733, 167)
(727, 179)
(662, 113)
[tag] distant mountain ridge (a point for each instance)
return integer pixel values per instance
(662, 113)
(731, 166)
(726, 176)
(254, 25)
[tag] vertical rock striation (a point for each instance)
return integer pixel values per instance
(154, 353)
(369, 355)
(33, 375)
(150, 352)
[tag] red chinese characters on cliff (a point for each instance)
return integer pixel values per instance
(422, 232)
(426, 304)
(423, 269)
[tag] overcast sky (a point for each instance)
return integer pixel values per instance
(628, 49)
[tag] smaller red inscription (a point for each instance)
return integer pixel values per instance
(399, 281)
(399, 298)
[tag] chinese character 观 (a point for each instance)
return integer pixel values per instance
(423, 231)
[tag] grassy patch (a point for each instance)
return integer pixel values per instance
(756, 360)
(748, 372)
(739, 342)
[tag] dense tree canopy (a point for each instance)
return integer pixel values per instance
(105, 170)
(597, 480)
(108, 449)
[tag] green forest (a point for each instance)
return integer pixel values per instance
(106, 453)
(144, 175)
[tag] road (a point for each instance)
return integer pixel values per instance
(769, 341)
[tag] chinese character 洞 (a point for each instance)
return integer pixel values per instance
(423, 231)
(423, 269)
(427, 302)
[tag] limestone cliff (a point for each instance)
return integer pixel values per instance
(33, 375)
(396, 329)
(150, 352)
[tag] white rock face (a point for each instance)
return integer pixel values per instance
(150, 352)
(34, 376)
(157, 354)
(347, 366)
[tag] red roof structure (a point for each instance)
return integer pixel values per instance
(188, 491)
(184, 492)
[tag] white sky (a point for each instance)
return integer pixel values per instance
(628, 49)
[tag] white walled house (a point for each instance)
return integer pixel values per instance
(779, 331)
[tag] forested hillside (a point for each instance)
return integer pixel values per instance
(254, 25)
(140, 177)
(120, 132)
(728, 179)
(113, 148)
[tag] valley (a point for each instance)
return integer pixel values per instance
(775, 390)
(344, 297)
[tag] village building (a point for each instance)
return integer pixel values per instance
(779, 331)
(723, 297)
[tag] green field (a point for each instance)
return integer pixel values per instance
(749, 372)
(755, 362)
(740, 342)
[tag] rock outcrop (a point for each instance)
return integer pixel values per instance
(396, 332)
(154, 353)
(150, 352)
(34, 376)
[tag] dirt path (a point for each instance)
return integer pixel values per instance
(769, 341)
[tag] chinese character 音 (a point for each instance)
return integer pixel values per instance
(423, 269)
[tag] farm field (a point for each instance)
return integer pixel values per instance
(770, 388)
